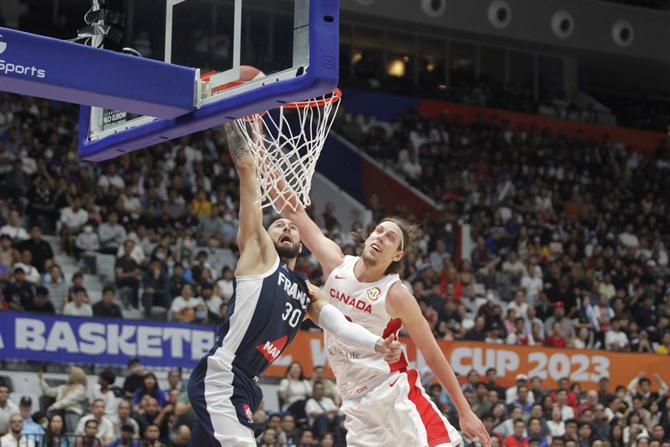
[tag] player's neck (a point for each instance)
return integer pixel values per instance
(290, 262)
(366, 272)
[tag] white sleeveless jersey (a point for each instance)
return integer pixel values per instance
(365, 304)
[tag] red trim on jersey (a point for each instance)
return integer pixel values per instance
(435, 428)
(392, 328)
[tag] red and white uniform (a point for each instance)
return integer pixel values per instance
(385, 405)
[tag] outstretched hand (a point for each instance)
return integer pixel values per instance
(474, 429)
(391, 348)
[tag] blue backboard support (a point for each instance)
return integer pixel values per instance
(317, 78)
(55, 69)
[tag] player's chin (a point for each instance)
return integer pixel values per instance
(287, 250)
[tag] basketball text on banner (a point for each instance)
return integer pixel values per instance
(61, 339)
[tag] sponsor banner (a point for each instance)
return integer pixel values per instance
(25, 336)
(583, 366)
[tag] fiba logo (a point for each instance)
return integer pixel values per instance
(373, 294)
(3, 45)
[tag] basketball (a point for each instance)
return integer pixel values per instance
(249, 73)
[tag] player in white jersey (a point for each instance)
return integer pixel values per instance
(385, 405)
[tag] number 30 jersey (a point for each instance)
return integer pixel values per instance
(264, 315)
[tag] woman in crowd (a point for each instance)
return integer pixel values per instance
(294, 387)
(70, 399)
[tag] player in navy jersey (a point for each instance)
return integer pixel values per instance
(269, 303)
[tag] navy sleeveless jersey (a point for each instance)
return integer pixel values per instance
(264, 315)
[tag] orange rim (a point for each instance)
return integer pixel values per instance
(316, 102)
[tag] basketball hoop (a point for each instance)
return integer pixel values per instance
(286, 144)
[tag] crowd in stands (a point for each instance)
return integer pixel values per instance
(565, 230)
(569, 240)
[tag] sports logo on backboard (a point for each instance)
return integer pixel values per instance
(373, 294)
(3, 45)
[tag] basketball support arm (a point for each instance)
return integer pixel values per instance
(50, 68)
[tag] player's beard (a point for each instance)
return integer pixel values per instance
(285, 252)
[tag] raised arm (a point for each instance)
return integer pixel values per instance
(327, 252)
(257, 252)
(400, 303)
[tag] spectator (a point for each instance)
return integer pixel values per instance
(327, 440)
(69, 398)
(152, 436)
(269, 438)
(288, 434)
(111, 234)
(182, 437)
(522, 401)
(149, 387)
(511, 393)
(122, 418)
(14, 438)
(106, 307)
(518, 438)
(7, 408)
(535, 432)
(225, 284)
(89, 438)
(41, 303)
(128, 273)
(664, 346)
(72, 220)
(55, 435)
(321, 411)
(127, 437)
(19, 293)
(556, 425)
(151, 414)
(55, 284)
(306, 438)
(105, 428)
(177, 281)
(86, 244)
(184, 307)
(155, 288)
(556, 339)
(330, 389)
(13, 228)
(105, 392)
(135, 379)
(585, 435)
(40, 250)
(26, 264)
(294, 387)
(615, 338)
(78, 307)
(559, 316)
(31, 422)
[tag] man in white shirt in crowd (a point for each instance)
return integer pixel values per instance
(112, 234)
(104, 392)
(519, 303)
(14, 437)
(533, 285)
(7, 408)
(122, 417)
(615, 338)
(78, 307)
(110, 178)
(72, 219)
(181, 307)
(105, 427)
(13, 227)
(321, 409)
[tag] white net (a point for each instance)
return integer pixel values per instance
(286, 144)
